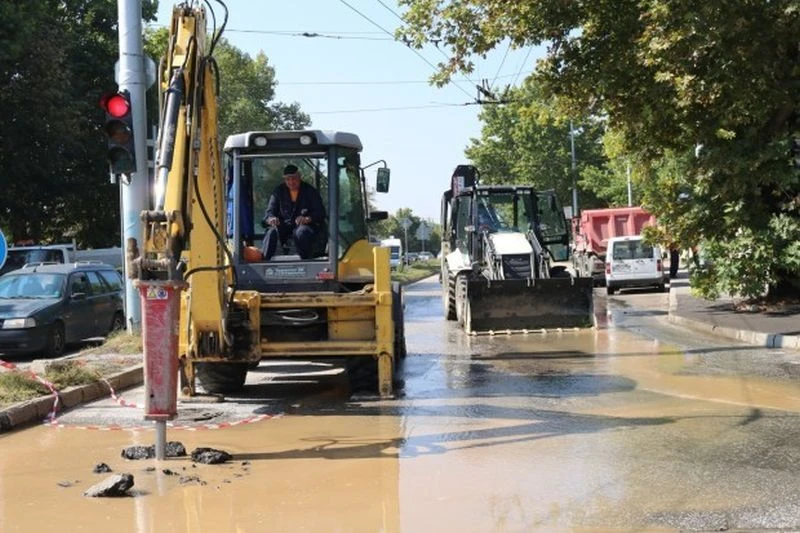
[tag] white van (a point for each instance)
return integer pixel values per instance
(630, 262)
(395, 247)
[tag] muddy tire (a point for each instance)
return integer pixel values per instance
(362, 371)
(399, 325)
(221, 378)
(449, 298)
(461, 298)
(56, 341)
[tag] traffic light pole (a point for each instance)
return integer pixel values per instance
(134, 187)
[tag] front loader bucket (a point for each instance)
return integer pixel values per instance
(529, 304)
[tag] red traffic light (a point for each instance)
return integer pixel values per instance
(116, 104)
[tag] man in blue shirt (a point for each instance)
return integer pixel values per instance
(294, 211)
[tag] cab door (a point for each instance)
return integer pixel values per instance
(552, 229)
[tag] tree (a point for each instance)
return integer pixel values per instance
(392, 227)
(55, 62)
(247, 90)
(701, 97)
(527, 142)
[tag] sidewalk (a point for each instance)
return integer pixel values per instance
(720, 318)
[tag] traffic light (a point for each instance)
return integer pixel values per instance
(119, 129)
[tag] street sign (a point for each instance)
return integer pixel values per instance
(3, 249)
(149, 71)
(423, 232)
(406, 223)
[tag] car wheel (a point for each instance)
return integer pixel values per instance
(117, 323)
(56, 341)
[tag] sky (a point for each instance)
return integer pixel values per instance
(357, 78)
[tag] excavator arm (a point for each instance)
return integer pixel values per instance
(184, 239)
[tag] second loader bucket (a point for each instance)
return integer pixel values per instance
(526, 305)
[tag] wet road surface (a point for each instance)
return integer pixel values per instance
(638, 425)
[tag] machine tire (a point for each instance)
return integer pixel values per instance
(221, 378)
(460, 298)
(467, 316)
(399, 325)
(56, 341)
(559, 271)
(362, 371)
(449, 298)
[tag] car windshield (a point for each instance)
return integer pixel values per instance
(35, 285)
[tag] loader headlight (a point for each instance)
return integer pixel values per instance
(260, 141)
(305, 140)
(19, 323)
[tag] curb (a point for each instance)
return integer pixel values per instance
(38, 409)
(756, 338)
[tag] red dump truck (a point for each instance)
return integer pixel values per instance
(591, 231)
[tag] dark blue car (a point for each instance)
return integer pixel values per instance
(44, 307)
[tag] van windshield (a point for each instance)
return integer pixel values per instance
(632, 250)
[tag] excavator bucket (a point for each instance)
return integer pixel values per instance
(517, 305)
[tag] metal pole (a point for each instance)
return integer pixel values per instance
(161, 440)
(405, 245)
(131, 76)
(574, 172)
(630, 191)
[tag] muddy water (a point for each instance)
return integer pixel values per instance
(590, 430)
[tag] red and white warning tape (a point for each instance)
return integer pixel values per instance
(183, 427)
(51, 417)
(120, 401)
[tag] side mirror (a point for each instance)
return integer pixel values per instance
(382, 182)
(376, 216)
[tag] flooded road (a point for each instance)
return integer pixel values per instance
(638, 425)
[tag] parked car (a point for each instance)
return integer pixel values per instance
(630, 262)
(424, 256)
(46, 306)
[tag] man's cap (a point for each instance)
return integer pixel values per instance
(289, 170)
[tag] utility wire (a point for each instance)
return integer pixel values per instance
(375, 82)
(393, 12)
(405, 108)
(375, 109)
(434, 67)
(503, 62)
(522, 65)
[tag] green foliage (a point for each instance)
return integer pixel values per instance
(392, 227)
(55, 62)
(247, 90)
(18, 387)
(416, 271)
(700, 97)
(527, 142)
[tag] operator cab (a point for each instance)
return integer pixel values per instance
(328, 161)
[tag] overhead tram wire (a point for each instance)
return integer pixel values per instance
(434, 67)
(503, 62)
(393, 12)
(522, 65)
(401, 108)
(377, 82)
